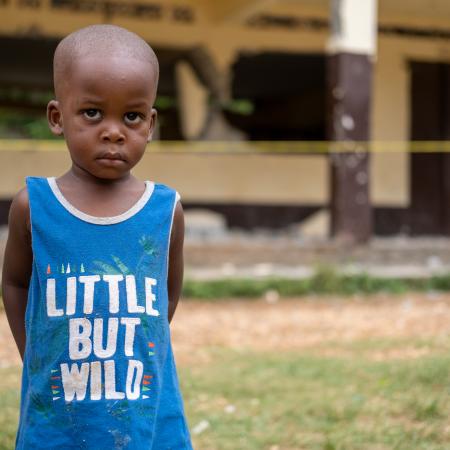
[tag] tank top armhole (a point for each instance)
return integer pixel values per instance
(29, 181)
(176, 200)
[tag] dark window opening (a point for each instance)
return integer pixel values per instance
(287, 94)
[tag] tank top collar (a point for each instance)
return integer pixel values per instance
(149, 187)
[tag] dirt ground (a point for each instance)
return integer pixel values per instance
(321, 326)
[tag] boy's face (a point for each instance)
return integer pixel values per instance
(105, 114)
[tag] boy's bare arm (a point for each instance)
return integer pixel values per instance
(17, 267)
(176, 265)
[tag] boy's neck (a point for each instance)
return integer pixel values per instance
(100, 197)
(79, 176)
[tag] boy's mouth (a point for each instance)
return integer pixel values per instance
(111, 156)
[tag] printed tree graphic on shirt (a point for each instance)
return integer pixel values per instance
(143, 266)
(147, 265)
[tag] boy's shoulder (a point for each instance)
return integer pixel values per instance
(19, 211)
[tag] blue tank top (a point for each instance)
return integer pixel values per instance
(98, 366)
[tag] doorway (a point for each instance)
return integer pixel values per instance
(430, 172)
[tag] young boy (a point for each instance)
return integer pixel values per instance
(93, 264)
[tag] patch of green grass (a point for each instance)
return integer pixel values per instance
(298, 402)
(325, 281)
(9, 406)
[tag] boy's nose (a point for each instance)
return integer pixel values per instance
(112, 133)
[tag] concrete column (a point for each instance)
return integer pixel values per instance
(217, 80)
(192, 100)
(351, 51)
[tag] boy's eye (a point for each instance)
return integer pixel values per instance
(92, 113)
(132, 117)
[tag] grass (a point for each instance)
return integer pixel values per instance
(324, 281)
(286, 401)
(290, 401)
(9, 406)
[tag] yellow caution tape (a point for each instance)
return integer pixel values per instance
(230, 147)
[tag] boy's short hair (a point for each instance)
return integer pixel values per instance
(98, 41)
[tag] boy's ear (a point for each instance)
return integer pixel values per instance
(54, 118)
(153, 116)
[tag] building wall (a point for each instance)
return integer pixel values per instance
(391, 112)
(246, 178)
